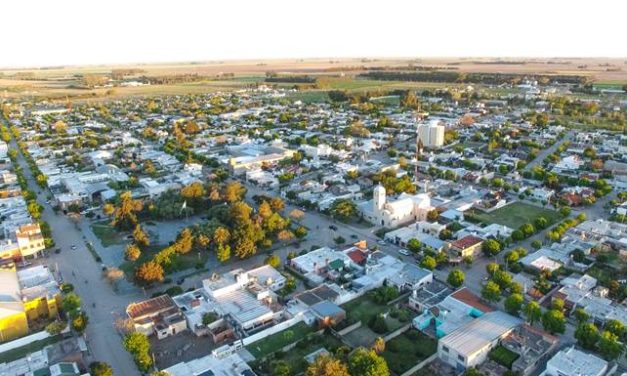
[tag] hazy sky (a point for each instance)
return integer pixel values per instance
(117, 31)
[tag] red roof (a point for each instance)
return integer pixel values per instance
(466, 241)
(357, 256)
(466, 296)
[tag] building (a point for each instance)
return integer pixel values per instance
(393, 213)
(13, 320)
(158, 315)
(468, 246)
(40, 293)
(321, 264)
(532, 345)
(430, 135)
(327, 313)
(212, 365)
(573, 362)
(26, 241)
(469, 345)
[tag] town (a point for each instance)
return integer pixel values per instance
(474, 229)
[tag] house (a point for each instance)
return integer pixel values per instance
(321, 264)
(470, 344)
(13, 320)
(542, 194)
(64, 358)
(25, 241)
(158, 315)
(571, 361)
(532, 346)
(327, 313)
(468, 246)
(40, 293)
(210, 365)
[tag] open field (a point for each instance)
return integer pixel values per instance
(60, 82)
(107, 235)
(517, 214)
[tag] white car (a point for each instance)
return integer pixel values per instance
(403, 252)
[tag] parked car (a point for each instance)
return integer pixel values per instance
(403, 252)
(73, 247)
(333, 227)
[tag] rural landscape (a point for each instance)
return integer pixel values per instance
(346, 216)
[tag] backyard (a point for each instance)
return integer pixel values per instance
(517, 214)
(279, 340)
(365, 309)
(407, 350)
(503, 356)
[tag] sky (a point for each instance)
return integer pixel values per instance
(73, 32)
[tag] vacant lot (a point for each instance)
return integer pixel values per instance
(279, 340)
(407, 350)
(107, 235)
(517, 214)
(364, 309)
(178, 262)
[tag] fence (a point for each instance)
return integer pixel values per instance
(349, 328)
(397, 332)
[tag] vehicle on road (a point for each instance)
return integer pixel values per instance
(73, 247)
(403, 252)
(381, 242)
(333, 227)
(57, 251)
(354, 236)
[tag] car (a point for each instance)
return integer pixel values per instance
(403, 252)
(353, 236)
(381, 242)
(333, 227)
(57, 251)
(73, 247)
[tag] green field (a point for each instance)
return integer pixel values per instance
(279, 340)
(179, 262)
(517, 214)
(107, 235)
(365, 309)
(407, 350)
(503, 356)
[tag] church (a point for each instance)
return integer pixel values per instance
(393, 213)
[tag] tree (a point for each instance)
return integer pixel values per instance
(343, 209)
(565, 211)
(125, 214)
(557, 304)
(379, 345)
(79, 322)
(587, 335)
(428, 262)
(281, 368)
(221, 236)
(223, 252)
(297, 215)
(300, 232)
(132, 252)
(491, 247)
(502, 278)
(528, 229)
(513, 303)
(456, 278)
(433, 215)
(492, 268)
(140, 237)
(277, 204)
(234, 191)
(532, 312)
(615, 327)
(473, 372)
(100, 369)
(609, 346)
(365, 362)
(554, 321)
(55, 327)
(414, 245)
(581, 316)
(517, 235)
(71, 303)
(138, 346)
(185, 241)
(149, 272)
(245, 247)
(491, 292)
(273, 260)
(326, 365)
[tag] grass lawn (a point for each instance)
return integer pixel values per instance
(279, 340)
(295, 357)
(107, 235)
(179, 262)
(517, 214)
(20, 352)
(407, 350)
(503, 356)
(365, 309)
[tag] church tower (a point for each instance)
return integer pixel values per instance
(379, 197)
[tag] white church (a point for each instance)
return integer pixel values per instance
(393, 213)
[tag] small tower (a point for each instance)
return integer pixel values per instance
(379, 197)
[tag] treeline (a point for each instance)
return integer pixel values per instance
(172, 79)
(291, 79)
(118, 74)
(472, 78)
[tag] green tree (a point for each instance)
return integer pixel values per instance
(491, 292)
(615, 327)
(492, 268)
(365, 362)
(138, 346)
(223, 252)
(456, 278)
(273, 260)
(55, 327)
(532, 312)
(513, 303)
(71, 303)
(414, 245)
(343, 209)
(609, 346)
(491, 247)
(554, 321)
(100, 369)
(587, 336)
(581, 316)
(428, 262)
(557, 304)
(79, 322)
(234, 191)
(281, 368)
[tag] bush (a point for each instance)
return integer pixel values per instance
(174, 290)
(378, 324)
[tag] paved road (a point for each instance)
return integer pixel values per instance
(79, 268)
(550, 150)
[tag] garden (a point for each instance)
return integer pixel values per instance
(503, 356)
(277, 341)
(407, 350)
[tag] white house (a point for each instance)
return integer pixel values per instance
(393, 213)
